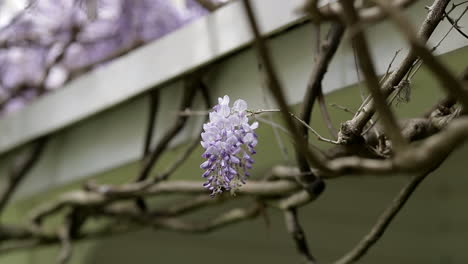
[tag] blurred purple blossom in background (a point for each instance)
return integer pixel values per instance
(53, 41)
(229, 142)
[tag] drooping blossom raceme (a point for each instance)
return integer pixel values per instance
(229, 142)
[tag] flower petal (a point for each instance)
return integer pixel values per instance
(239, 105)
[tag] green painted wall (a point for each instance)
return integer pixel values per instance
(431, 228)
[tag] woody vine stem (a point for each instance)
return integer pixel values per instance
(359, 148)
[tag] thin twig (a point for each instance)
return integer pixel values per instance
(327, 49)
(210, 5)
(176, 224)
(65, 241)
(358, 74)
(365, 113)
(274, 125)
(385, 219)
(403, 85)
(447, 80)
(107, 194)
(455, 25)
(333, 11)
(297, 233)
(326, 116)
(281, 146)
(315, 157)
(172, 132)
(319, 137)
(418, 63)
(151, 158)
(390, 66)
(22, 167)
(106, 231)
(193, 145)
(153, 106)
(344, 108)
(430, 151)
(367, 66)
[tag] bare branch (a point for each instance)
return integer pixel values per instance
(367, 66)
(195, 143)
(455, 24)
(109, 194)
(297, 233)
(175, 224)
(42, 240)
(303, 123)
(65, 240)
(357, 152)
(210, 5)
(430, 151)
(326, 116)
(273, 125)
(448, 81)
(153, 105)
(436, 14)
(343, 108)
(21, 170)
(295, 200)
(385, 219)
(327, 49)
(275, 87)
(333, 11)
(389, 67)
(189, 91)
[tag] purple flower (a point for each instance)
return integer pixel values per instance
(53, 41)
(229, 142)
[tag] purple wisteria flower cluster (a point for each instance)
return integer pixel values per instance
(229, 141)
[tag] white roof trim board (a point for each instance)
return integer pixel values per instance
(196, 44)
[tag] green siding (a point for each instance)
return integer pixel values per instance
(430, 229)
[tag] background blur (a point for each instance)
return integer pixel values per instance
(95, 103)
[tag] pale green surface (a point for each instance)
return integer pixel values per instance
(431, 229)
